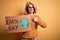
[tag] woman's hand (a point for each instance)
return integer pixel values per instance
(39, 21)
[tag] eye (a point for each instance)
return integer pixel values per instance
(30, 7)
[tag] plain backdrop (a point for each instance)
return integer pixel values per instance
(48, 10)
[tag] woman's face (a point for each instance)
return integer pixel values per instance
(30, 8)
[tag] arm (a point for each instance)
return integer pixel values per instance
(41, 22)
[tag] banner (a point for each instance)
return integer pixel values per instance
(18, 23)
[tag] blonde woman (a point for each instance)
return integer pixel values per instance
(36, 20)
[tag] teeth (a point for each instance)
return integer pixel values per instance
(35, 19)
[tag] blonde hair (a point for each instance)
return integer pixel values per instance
(27, 5)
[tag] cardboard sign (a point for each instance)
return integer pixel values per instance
(18, 23)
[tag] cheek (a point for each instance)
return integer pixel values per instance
(32, 9)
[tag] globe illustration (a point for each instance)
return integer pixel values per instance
(24, 23)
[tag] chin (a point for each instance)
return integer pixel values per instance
(31, 12)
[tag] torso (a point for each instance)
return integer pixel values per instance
(33, 33)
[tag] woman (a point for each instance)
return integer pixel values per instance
(36, 20)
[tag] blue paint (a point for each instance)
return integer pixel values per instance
(24, 23)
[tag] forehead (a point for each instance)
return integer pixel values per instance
(30, 5)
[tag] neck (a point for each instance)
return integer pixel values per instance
(30, 13)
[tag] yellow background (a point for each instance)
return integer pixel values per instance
(48, 10)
